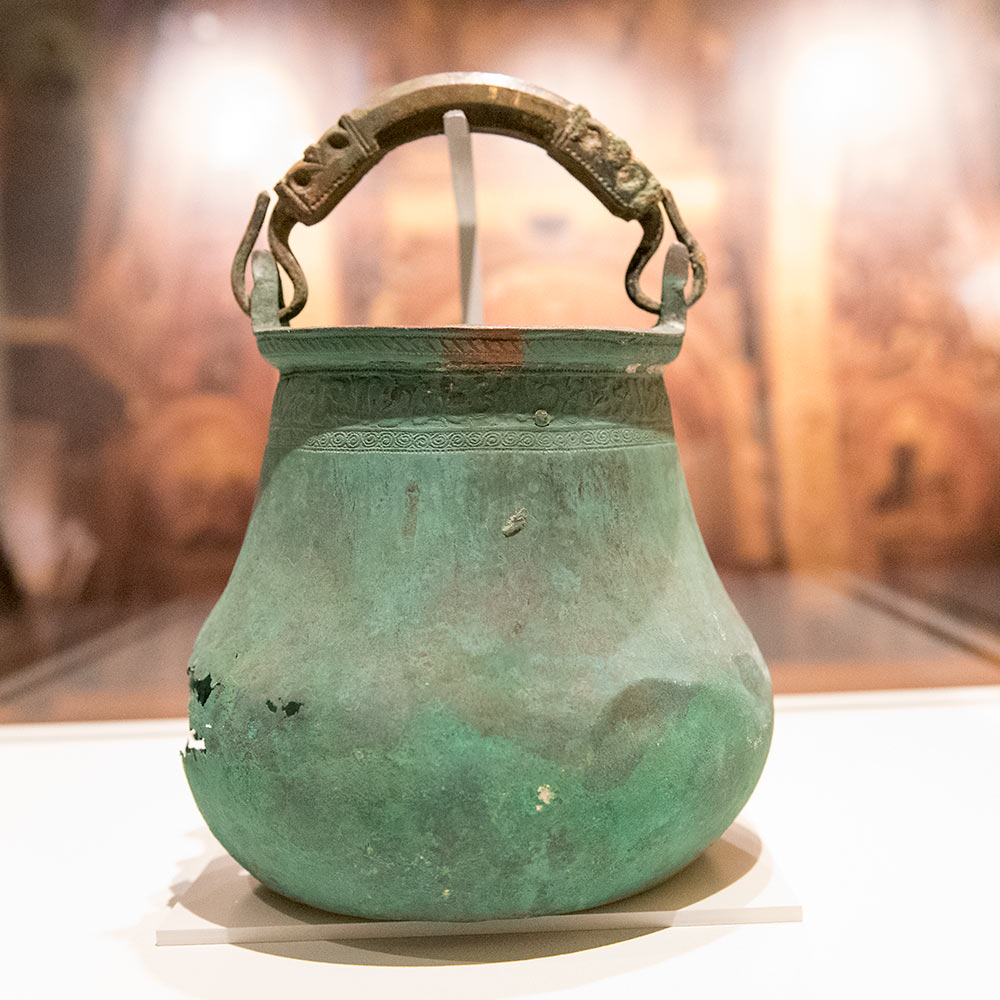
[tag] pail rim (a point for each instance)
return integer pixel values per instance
(477, 348)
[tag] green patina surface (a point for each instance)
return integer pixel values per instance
(410, 712)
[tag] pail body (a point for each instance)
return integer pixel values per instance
(473, 660)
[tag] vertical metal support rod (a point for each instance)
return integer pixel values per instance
(456, 128)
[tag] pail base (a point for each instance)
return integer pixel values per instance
(734, 881)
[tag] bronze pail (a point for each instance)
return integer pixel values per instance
(474, 660)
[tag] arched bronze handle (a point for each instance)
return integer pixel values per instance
(492, 103)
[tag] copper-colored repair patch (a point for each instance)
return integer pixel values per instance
(485, 349)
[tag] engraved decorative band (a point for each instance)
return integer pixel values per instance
(415, 440)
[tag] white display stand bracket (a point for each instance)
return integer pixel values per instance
(463, 181)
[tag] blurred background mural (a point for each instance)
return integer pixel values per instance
(838, 395)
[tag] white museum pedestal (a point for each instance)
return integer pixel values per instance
(880, 808)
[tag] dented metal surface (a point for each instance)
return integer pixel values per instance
(473, 660)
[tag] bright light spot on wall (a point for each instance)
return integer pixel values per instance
(236, 112)
(867, 80)
(979, 293)
(219, 105)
